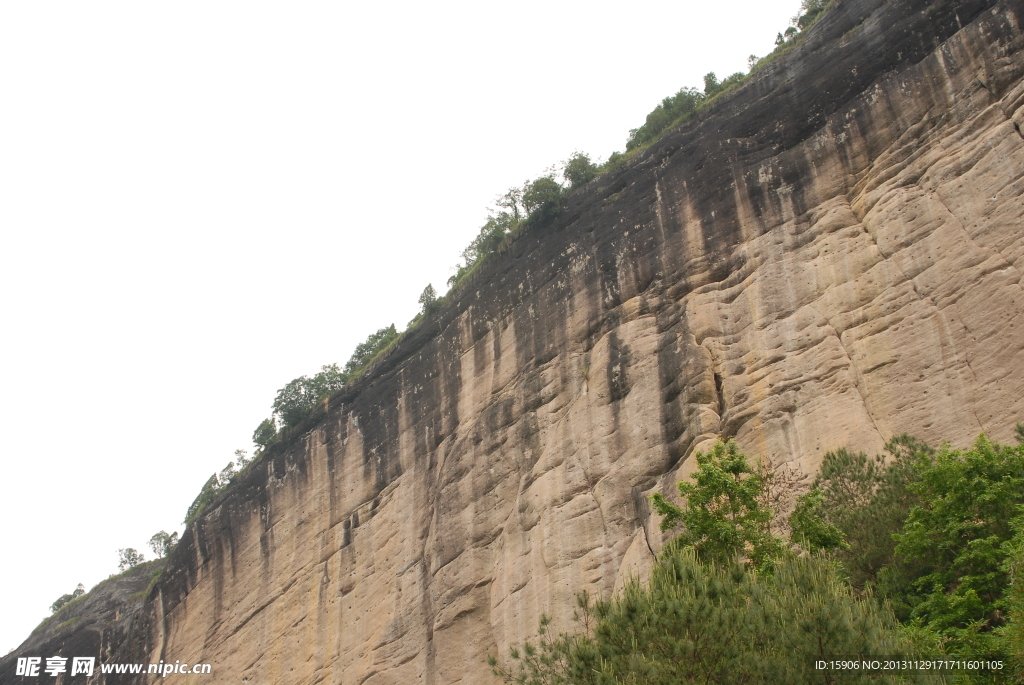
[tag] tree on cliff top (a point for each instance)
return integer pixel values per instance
(161, 543)
(64, 599)
(296, 400)
(368, 349)
(129, 558)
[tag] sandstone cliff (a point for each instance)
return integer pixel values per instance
(829, 255)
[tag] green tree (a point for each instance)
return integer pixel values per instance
(810, 527)
(958, 538)
(209, 491)
(242, 458)
(428, 299)
(726, 514)
(368, 349)
(579, 170)
(128, 558)
(809, 12)
(486, 243)
(697, 622)
(512, 203)
(671, 109)
(64, 599)
(296, 400)
(866, 499)
(711, 84)
(264, 434)
(1011, 635)
(161, 543)
(543, 199)
(293, 402)
(616, 161)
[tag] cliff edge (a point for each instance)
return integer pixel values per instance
(829, 255)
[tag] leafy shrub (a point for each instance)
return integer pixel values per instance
(213, 486)
(368, 349)
(810, 10)
(161, 543)
(1012, 634)
(428, 299)
(296, 400)
(866, 499)
(64, 599)
(210, 489)
(543, 199)
(672, 108)
(579, 170)
(712, 87)
(809, 527)
(128, 558)
(264, 434)
(956, 541)
(616, 161)
(935, 534)
(726, 514)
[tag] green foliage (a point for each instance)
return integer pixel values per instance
(213, 487)
(64, 599)
(542, 199)
(937, 534)
(712, 87)
(428, 299)
(1018, 431)
(1011, 635)
(487, 242)
(675, 107)
(296, 400)
(206, 495)
(956, 542)
(161, 543)
(512, 202)
(711, 84)
(866, 499)
(726, 514)
(128, 558)
(264, 434)
(811, 529)
(615, 161)
(579, 170)
(810, 10)
(368, 349)
(717, 623)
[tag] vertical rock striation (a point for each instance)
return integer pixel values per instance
(828, 256)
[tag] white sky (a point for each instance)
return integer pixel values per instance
(200, 201)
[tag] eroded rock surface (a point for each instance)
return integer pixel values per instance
(109, 623)
(827, 257)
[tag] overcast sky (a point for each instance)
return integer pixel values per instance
(200, 201)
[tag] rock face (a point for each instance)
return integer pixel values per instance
(108, 623)
(828, 256)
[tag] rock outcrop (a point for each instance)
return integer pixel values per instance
(826, 257)
(108, 623)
